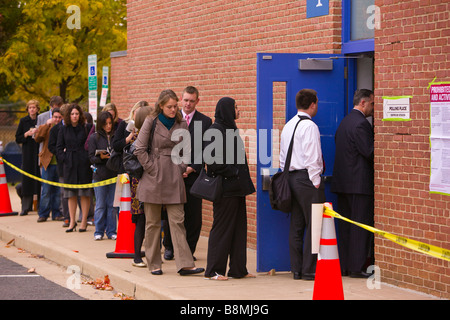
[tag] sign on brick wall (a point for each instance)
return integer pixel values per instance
(316, 8)
(396, 108)
(440, 138)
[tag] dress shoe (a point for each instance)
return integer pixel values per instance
(58, 218)
(157, 272)
(308, 276)
(168, 254)
(297, 275)
(185, 272)
(23, 213)
(42, 219)
(360, 274)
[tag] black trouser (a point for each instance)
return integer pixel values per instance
(192, 219)
(304, 194)
(228, 238)
(139, 234)
(355, 243)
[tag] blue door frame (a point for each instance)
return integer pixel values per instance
(273, 226)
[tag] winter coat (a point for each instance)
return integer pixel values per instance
(99, 141)
(71, 153)
(43, 135)
(119, 141)
(30, 151)
(162, 180)
(52, 141)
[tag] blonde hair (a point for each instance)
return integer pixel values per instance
(63, 109)
(35, 102)
(138, 104)
(109, 107)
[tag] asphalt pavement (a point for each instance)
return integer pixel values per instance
(21, 283)
(79, 251)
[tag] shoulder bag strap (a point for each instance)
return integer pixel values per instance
(287, 163)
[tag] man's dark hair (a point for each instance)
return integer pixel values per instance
(56, 101)
(360, 95)
(305, 97)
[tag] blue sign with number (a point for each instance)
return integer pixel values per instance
(317, 8)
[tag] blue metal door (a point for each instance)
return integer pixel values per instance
(324, 73)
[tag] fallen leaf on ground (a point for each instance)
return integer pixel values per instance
(123, 296)
(100, 284)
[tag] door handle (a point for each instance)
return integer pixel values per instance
(265, 172)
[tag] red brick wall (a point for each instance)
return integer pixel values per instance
(119, 83)
(213, 45)
(411, 48)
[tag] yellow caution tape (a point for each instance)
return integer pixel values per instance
(64, 185)
(408, 243)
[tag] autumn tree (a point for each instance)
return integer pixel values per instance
(48, 54)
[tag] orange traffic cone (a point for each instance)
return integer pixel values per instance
(125, 229)
(5, 201)
(328, 281)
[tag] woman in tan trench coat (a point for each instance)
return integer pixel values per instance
(162, 184)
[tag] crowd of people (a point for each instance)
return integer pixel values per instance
(64, 145)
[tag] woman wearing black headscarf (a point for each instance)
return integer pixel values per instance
(228, 236)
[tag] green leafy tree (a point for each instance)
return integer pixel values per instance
(10, 19)
(48, 54)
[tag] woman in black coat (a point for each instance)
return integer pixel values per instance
(30, 152)
(76, 165)
(228, 236)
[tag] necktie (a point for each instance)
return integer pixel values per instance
(187, 119)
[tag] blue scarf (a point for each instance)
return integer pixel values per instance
(168, 122)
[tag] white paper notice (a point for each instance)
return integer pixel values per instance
(440, 138)
(396, 108)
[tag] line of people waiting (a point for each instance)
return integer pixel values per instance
(65, 147)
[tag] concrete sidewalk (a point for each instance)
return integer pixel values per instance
(50, 240)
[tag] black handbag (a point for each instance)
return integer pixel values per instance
(114, 160)
(279, 191)
(131, 164)
(207, 187)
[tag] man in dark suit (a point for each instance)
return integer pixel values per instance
(353, 182)
(198, 123)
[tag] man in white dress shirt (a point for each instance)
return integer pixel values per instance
(304, 180)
